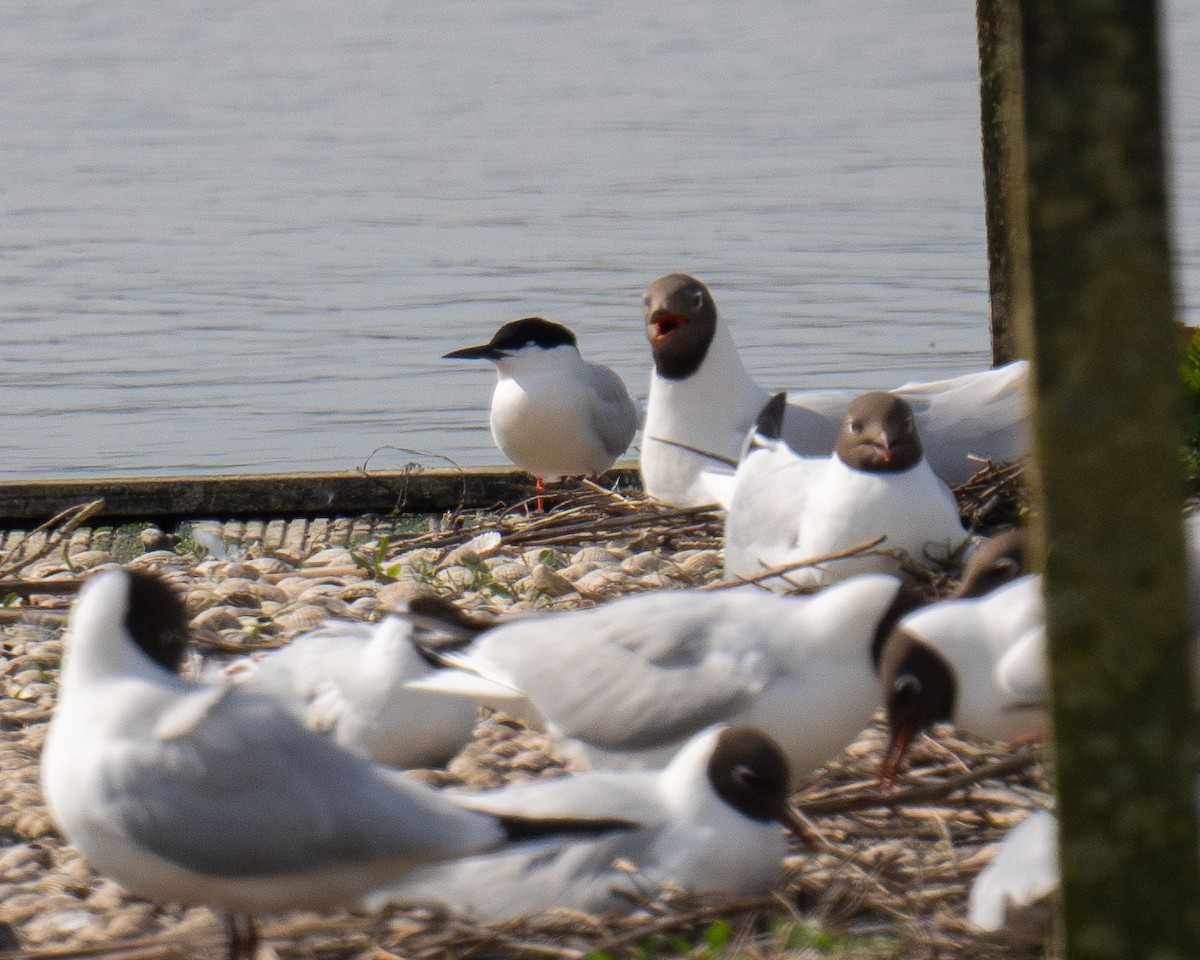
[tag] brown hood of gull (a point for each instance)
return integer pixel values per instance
(879, 435)
(681, 320)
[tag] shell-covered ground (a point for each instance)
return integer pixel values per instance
(889, 875)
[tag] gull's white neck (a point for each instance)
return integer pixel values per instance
(712, 409)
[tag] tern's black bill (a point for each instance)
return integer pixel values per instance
(484, 351)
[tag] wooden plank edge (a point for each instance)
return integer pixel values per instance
(224, 497)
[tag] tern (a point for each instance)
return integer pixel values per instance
(553, 413)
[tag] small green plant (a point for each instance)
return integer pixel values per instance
(717, 935)
(809, 935)
(1190, 374)
(500, 590)
(373, 561)
(426, 573)
(712, 944)
(483, 581)
(186, 545)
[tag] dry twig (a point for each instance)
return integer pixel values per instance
(57, 528)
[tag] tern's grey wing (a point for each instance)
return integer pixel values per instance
(248, 791)
(332, 651)
(308, 665)
(613, 410)
(631, 677)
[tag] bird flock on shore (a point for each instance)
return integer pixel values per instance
(279, 782)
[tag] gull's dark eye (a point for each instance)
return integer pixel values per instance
(907, 688)
(855, 426)
(697, 298)
(744, 775)
(645, 299)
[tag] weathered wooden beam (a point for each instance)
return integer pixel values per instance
(275, 495)
(1107, 479)
(998, 27)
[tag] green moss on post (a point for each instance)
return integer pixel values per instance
(1108, 478)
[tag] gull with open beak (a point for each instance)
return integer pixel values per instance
(702, 403)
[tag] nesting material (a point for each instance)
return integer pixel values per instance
(890, 879)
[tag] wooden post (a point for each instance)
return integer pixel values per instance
(998, 25)
(1108, 480)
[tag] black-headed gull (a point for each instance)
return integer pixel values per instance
(978, 663)
(624, 684)
(209, 794)
(702, 403)
(350, 681)
(785, 508)
(708, 823)
(553, 414)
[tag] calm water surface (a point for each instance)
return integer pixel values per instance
(237, 236)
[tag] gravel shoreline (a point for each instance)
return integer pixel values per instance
(894, 878)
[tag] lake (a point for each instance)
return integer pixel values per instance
(238, 236)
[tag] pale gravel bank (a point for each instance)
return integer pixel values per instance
(894, 878)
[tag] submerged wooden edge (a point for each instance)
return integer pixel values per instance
(276, 495)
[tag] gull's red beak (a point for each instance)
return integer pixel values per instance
(665, 324)
(897, 748)
(797, 827)
(884, 448)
